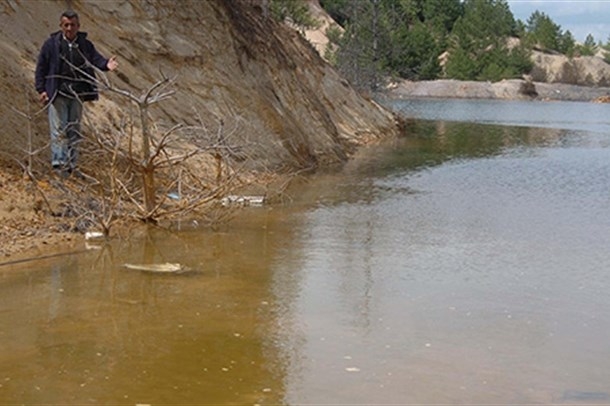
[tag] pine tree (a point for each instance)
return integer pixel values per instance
(589, 48)
(479, 48)
(543, 32)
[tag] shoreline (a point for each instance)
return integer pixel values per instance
(509, 89)
(27, 233)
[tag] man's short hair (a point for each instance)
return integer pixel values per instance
(69, 14)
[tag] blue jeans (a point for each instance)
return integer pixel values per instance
(64, 124)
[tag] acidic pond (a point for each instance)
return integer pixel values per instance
(466, 263)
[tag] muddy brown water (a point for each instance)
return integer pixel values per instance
(468, 263)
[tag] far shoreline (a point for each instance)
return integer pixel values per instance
(510, 89)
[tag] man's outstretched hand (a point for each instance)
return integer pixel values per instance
(112, 63)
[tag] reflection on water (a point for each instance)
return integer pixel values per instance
(578, 116)
(88, 331)
(464, 264)
(483, 274)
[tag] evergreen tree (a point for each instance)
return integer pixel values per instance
(567, 43)
(461, 65)
(479, 48)
(589, 48)
(385, 37)
(542, 32)
(419, 59)
(296, 10)
(441, 15)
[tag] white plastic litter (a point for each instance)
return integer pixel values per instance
(160, 268)
(243, 200)
(93, 235)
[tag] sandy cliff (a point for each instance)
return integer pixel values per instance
(231, 63)
(278, 99)
(582, 71)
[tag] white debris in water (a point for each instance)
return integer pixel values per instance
(267, 390)
(243, 200)
(93, 235)
(352, 369)
(92, 246)
(347, 357)
(428, 345)
(161, 268)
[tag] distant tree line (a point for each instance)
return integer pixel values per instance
(430, 39)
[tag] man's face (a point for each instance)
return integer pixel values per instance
(70, 27)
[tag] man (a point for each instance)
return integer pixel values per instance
(64, 79)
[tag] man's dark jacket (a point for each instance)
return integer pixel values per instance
(49, 64)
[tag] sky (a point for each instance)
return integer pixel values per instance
(581, 17)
